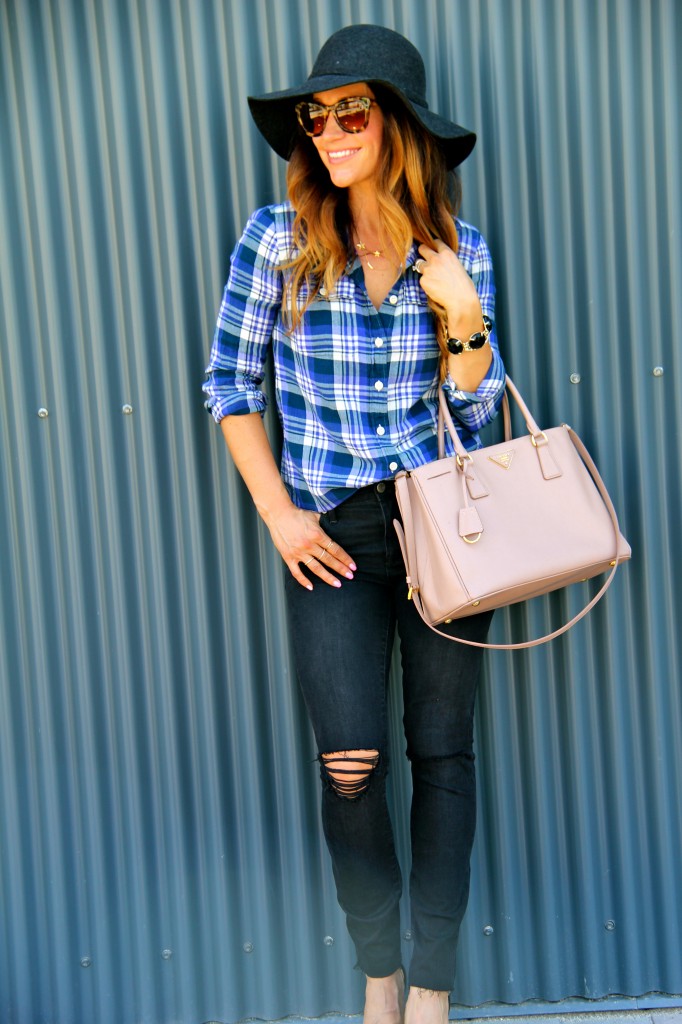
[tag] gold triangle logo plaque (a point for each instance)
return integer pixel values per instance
(504, 459)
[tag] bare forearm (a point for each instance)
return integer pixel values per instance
(250, 449)
(296, 533)
(468, 369)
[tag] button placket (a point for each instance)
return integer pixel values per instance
(380, 370)
(385, 317)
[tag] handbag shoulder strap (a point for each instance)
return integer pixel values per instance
(406, 540)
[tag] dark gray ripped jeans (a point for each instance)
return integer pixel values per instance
(342, 640)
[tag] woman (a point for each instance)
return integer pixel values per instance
(371, 296)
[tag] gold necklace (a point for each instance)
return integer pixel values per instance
(365, 253)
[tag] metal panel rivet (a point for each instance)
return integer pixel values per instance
(488, 930)
(658, 371)
(610, 925)
(248, 947)
(575, 378)
(43, 413)
(166, 954)
(408, 936)
(86, 961)
(127, 410)
(328, 940)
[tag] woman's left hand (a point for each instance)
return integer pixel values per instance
(446, 282)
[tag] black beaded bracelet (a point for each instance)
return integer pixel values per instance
(476, 341)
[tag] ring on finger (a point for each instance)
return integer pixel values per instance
(309, 560)
(419, 265)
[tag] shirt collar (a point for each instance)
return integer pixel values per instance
(412, 255)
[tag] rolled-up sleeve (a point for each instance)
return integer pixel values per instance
(474, 409)
(249, 309)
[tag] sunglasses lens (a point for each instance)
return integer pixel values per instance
(312, 118)
(352, 116)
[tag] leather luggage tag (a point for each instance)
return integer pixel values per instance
(469, 521)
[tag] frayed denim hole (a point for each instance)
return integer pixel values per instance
(347, 788)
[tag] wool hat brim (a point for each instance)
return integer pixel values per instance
(275, 117)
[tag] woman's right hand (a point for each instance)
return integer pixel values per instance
(296, 534)
(302, 543)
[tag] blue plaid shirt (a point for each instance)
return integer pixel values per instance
(356, 388)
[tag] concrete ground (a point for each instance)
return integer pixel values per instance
(672, 1015)
(567, 1014)
(659, 1015)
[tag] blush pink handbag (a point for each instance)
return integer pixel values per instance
(488, 528)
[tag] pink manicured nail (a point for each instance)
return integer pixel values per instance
(353, 566)
(337, 583)
(349, 575)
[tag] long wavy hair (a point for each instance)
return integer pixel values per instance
(417, 196)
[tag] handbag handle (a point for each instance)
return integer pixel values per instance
(445, 419)
(406, 535)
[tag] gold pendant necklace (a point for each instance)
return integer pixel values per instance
(365, 253)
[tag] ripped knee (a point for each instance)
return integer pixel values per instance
(349, 772)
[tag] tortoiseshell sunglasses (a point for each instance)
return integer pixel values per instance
(352, 115)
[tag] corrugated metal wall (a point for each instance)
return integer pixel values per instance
(160, 852)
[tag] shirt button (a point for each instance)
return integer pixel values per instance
(393, 466)
(378, 342)
(393, 300)
(381, 431)
(379, 386)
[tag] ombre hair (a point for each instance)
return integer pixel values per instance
(417, 198)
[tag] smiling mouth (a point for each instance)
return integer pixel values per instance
(341, 154)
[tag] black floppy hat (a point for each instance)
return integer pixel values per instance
(361, 53)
